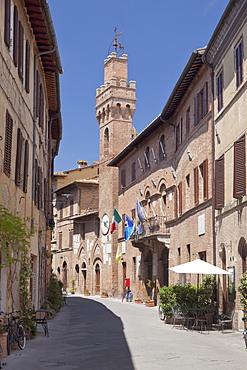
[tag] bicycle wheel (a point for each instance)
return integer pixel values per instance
(9, 341)
(161, 313)
(21, 337)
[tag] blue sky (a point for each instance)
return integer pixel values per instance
(159, 37)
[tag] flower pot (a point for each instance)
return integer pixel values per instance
(87, 293)
(150, 303)
(138, 301)
(104, 295)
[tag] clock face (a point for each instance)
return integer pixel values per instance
(105, 224)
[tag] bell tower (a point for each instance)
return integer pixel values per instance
(115, 108)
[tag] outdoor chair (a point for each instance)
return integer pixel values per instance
(41, 319)
(225, 320)
(178, 315)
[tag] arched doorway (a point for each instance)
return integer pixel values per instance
(77, 269)
(64, 275)
(84, 274)
(97, 278)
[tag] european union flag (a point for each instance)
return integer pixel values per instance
(129, 228)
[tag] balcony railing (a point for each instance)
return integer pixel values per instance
(154, 226)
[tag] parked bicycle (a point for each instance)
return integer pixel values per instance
(245, 327)
(15, 330)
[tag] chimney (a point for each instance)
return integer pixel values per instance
(81, 163)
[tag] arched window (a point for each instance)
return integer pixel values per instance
(106, 142)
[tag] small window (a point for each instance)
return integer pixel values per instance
(18, 158)
(219, 183)
(188, 121)
(133, 171)
(201, 104)
(239, 181)
(220, 90)
(239, 64)
(8, 144)
(7, 23)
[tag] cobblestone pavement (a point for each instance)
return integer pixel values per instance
(105, 333)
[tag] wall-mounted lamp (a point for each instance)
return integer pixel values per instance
(189, 155)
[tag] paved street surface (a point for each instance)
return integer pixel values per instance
(104, 333)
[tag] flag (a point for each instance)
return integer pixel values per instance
(140, 216)
(115, 220)
(129, 228)
(118, 254)
(139, 211)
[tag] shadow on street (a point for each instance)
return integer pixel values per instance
(84, 335)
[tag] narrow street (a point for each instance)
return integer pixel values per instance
(97, 333)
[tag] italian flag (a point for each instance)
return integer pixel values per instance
(115, 220)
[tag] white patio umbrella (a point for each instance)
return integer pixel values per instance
(198, 267)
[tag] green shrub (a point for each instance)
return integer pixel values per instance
(243, 290)
(54, 293)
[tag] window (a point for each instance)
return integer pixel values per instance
(122, 178)
(61, 209)
(162, 154)
(133, 171)
(196, 186)
(7, 23)
(41, 107)
(18, 158)
(106, 142)
(178, 134)
(204, 175)
(15, 37)
(27, 67)
(176, 202)
(60, 240)
(133, 214)
(239, 64)
(26, 163)
(220, 90)
(71, 207)
(147, 158)
(8, 144)
(83, 230)
(201, 104)
(180, 198)
(239, 177)
(20, 51)
(219, 183)
(188, 121)
(71, 238)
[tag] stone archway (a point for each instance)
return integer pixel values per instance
(84, 274)
(97, 279)
(65, 275)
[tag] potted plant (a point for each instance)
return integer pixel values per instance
(149, 302)
(86, 292)
(138, 300)
(104, 294)
(72, 289)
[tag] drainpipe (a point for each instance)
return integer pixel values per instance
(213, 156)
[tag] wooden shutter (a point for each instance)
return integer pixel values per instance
(205, 99)
(180, 198)
(37, 94)
(8, 144)
(7, 23)
(219, 183)
(27, 67)
(205, 179)
(41, 108)
(15, 37)
(239, 181)
(26, 163)
(196, 117)
(18, 158)
(239, 64)
(196, 186)
(20, 51)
